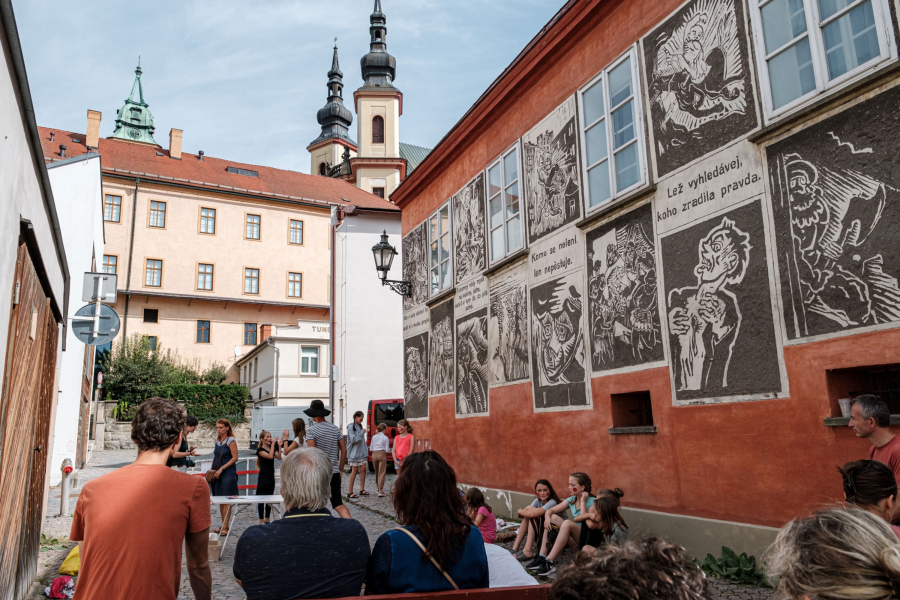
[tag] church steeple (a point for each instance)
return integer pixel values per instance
(334, 117)
(379, 68)
(134, 122)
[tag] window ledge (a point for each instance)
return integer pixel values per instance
(441, 297)
(605, 211)
(845, 421)
(781, 124)
(515, 256)
(630, 430)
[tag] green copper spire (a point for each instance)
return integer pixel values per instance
(134, 122)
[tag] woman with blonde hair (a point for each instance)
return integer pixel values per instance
(225, 457)
(404, 444)
(266, 454)
(836, 554)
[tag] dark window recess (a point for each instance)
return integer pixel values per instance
(246, 172)
(379, 191)
(632, 410)
(322, 169)
(151, 315)
(880, 380)
(377, 130)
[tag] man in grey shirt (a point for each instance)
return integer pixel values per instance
(327, 437)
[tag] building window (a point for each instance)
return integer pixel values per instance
(202, 332)
(251, 281)
(805, 47)
(631, 410)
(151, 341)
(253, 222)
(440, 261)
(296, 232)
(249, 334)
(377, 129)
(136, 115)
(151, 315)
(153, 276)
(208, 220)
(112, 208)
(309, 360)
(323, 169)
(612, 160)
(157, 214)
(204, 277)
(504, 205)
(295, 285)
(110, 262)
(378, 191)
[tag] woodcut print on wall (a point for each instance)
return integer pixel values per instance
(718, 305)
(472, 363)
(623, 306)
(440, 355)
(415, 376)
(469, 239)
(836, 207)
(552, 180)
(509, 332)
(415, 266)
(699, 82)
(557, 343)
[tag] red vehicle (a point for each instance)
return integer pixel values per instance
(388, 412)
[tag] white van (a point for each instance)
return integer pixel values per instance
(274, 419)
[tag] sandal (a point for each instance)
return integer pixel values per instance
(381, 494)
(349, 496)
(363, 493)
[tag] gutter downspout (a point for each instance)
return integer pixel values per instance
(137, 182)
(277, 359)
(335, 223)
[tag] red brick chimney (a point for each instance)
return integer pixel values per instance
(265, 331)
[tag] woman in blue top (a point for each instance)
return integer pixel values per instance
(580, 500)
(432, 512)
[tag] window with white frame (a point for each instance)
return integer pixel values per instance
(613, 155)
(504, 205)
(806, 47)
(309, 360)
(440, 259)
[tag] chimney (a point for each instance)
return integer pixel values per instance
(52, 135)
(265, 331)
(93, 129)
(62, 150)
(175, 143)
(200, 154)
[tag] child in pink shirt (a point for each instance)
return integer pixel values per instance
(482, 515)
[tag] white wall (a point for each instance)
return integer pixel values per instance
(368, 316)
(79, 204)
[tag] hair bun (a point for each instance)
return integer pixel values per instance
(618, 492)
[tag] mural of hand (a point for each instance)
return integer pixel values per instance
(712, 310)
(679, 323)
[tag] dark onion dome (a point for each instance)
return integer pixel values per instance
(334, 117)
(379, 69)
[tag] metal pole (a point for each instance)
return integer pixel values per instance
(64, 488)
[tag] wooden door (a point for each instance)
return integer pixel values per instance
(28, 392)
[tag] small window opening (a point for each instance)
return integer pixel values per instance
(377, 130)
(632, 410)
(151, 315)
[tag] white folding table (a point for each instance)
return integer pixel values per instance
(237, 501)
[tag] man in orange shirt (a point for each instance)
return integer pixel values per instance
(130, 524)
(870, 418)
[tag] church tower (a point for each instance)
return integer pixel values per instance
(328, 149)
(134, 123)
(379, 168)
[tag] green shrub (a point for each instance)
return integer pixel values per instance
(215, 374)
(209, 402)
(739, 569)
(132, 371)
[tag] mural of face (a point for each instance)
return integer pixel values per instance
(415, 369)
(807, 207)
(720, 258)
(560, 337)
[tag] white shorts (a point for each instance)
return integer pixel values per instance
(357, 463)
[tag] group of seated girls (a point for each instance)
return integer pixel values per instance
(596, 523)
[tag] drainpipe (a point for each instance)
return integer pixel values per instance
(335, 223)
(137, 182)
(277, 358)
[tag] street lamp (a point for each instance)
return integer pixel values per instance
(384, 255)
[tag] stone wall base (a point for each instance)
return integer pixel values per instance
(117, 435)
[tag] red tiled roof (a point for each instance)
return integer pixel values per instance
(140, 160)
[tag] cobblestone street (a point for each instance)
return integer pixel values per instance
(376, 515)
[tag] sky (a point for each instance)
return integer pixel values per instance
(244, 78)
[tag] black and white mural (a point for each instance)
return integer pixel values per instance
(835, 193)
(469, 238)
(551, 168)
(415, 266)
(699, 81)
(440, 355)
(508, 327)
(557, 343)
(722, 339)
(472, 363)
(623, 306)
(415, 376)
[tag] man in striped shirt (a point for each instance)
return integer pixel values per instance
(328, 438)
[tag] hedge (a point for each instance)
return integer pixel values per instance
(206, 402)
